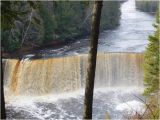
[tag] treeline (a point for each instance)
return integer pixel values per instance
(147, 6)
(32, 24)
(151, 73)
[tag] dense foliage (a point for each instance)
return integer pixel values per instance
(151, 73)
(47, 23)
(110, 15)
(147, 5)
(151, 67)
(15, 21)
(31, 24)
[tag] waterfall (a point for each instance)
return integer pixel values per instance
(54, 75)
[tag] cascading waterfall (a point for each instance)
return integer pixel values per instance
(54, 75)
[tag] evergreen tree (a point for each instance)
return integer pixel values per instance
(14, 16)
(147, 6)
(151, 66)
(48, 23)
(110, 15)
(68, 17)
(28, 24)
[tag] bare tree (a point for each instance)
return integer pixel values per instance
(88, 100)
(30, 21)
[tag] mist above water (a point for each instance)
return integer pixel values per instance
(113, 102)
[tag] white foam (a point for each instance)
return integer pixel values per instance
(29, 103)
(131, 107)
(24, 100)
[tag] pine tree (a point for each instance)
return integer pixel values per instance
(151, 65)
(48, 23)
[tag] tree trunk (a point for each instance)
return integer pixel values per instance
(88, 100)
(3, 113)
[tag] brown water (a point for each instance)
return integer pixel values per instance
(54, 75)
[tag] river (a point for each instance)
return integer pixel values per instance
(120, 50)
(130, 36)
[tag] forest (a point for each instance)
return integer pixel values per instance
(36, 24)
(147, 6)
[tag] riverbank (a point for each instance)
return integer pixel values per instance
(33, 49)
(130, 36)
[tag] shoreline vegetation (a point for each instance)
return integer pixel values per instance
(51, 24)
(149, 6)
(54, 24)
